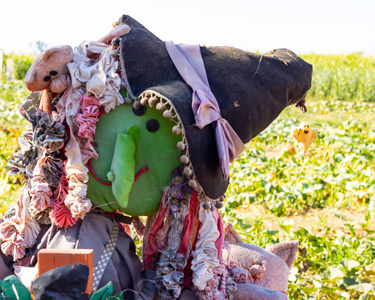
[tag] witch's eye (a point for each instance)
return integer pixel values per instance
(140, 111)
(152, 125)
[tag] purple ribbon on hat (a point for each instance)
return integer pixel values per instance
(189, 63)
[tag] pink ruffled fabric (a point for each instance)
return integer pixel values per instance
(15, 247)
(40, 197)
(40, 192)
(239, 275)
(215, 287)
(77, 206)
(76, 186)
(60, 215)
(76, 171)
(87, 118)
(31, 232)
(12, 240)
(11, 231)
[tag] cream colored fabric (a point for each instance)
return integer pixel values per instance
(101, 78)
(205, 255)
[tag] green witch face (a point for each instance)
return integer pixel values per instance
(137, 153)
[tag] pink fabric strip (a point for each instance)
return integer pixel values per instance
(189, 63)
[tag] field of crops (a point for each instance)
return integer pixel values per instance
(325, 199)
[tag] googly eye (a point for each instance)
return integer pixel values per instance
(53, 73)
(140, 111)
(152, 125)
(47, 78)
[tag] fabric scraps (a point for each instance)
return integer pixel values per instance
(101, 78)
(184, 245)
(169, 276)
(205, 255)
(40, 191)
(87, 119)
(22, 163)
(60, 214)
(32, 228)
(55, 150)
(12, 241)
(50, 136)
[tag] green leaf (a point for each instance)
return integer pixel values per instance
(317, 284)
(14, 289)
(309, 289)
(286, 228)
(335, 272)
(367, 296)
(350, 264)
(350, 280)
(363, 287)
(103, 293)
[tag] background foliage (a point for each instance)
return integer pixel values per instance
(22, 64)
(325, 199)
(342, 77)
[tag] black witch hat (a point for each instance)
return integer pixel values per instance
(251, 91)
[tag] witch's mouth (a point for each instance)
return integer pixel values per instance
(96, 176)
(140, 172)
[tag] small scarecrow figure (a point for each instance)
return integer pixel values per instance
(148, 128)
(304, 135)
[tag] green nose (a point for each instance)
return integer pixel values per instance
(122, 168)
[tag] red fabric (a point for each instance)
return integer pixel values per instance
(188, 225)
(191, 228)
(60, 215)
(188, 239)
(152, 248)
(188, 274)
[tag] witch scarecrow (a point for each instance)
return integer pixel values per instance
(130, 126)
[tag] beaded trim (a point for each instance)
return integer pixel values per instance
(162, 103)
